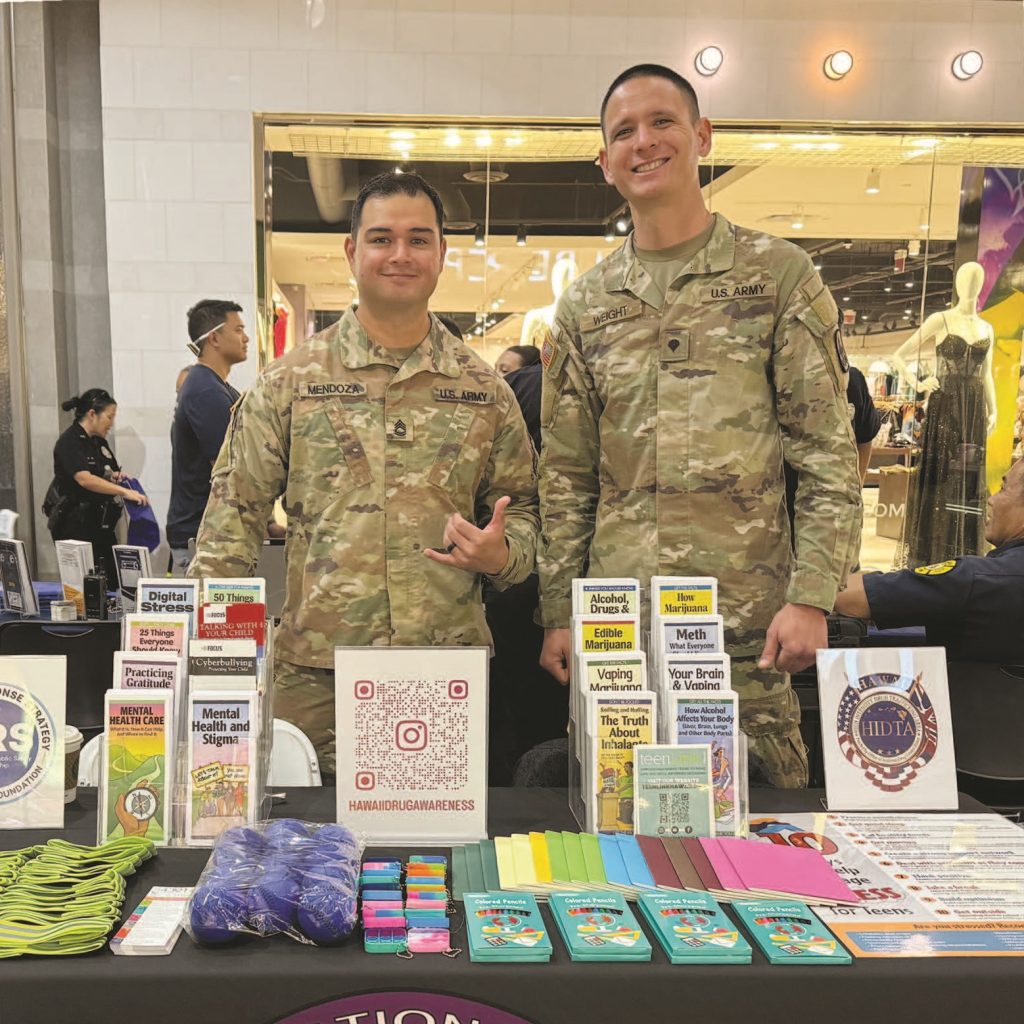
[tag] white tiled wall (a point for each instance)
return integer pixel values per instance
(181, 78)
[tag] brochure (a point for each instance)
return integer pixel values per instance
(246, 590)
(74, 560)
(156, 631)
(132, 564)
(16, 578)
(175, 596)
(606, 596)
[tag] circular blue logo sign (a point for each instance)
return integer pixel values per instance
(26, 743)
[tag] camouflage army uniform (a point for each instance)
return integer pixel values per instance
(372, 454)
(665, 426)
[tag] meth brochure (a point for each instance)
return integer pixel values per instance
(74, 560)
(221, 768)
(672, 791)
(703, 634)
(176, 596)
(886, 728)
(132, 564)
(605, 597)
(222, 665)
(32, 699)
(16, 578)
(137, 787)
(412, 743)
(156, 631)
(246, 590)
(616, 723)
(714, 720)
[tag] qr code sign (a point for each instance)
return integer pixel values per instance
(405, 721)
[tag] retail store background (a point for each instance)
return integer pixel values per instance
(179, 81)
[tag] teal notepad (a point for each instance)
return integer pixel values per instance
(459, 873)
(693, 929)
(599, 926)
(474, 869)
(788, 932)
(489, 862)
(506, 927)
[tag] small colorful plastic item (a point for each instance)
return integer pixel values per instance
(428, 940)
(385, 940)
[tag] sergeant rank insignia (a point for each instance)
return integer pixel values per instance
(887, 728)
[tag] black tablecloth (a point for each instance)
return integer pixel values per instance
(267, 980)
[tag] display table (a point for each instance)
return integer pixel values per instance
(268, 980)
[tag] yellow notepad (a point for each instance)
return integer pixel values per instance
(541, 859)
(526, 876)
(506, 862)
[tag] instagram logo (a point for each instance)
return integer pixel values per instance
(365, 780)
(364, 689)
(458, 689)
(411, 734)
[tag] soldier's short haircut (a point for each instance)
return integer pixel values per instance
(391, 184)
(653, 71)
(208, 315)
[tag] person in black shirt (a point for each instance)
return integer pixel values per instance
(201, 418)
(973, 605)
(85, 499)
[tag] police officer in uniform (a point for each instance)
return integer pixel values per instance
(678, 374)
(973, 605)
(83, 500)
(393, 445)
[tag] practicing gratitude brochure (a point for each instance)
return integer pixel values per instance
(712, 719)
(32, 697)
(221, 763)
(139, 756)
(175, 596)
(672, 790)
(617, 722)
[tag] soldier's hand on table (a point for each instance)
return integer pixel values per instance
(554, 655)
(472, 549)
(796, 632)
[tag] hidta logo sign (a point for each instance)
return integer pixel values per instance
(402, 1008)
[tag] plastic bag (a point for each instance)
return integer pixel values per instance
(282, 876)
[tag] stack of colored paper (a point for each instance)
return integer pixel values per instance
(789, 933)
(506, 928)
(599, 926)
(693, 929)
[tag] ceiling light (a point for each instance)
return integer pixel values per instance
(831, 146)
(609, 232)
(908, 311)
(398, 169)
(926, 143)
(906, 316)
(817, 267)
(521, 236)
(483, 140)
(501, 302)
(708, 60)
(452, 138)
(909, 284)
(622, 225)
(967, 64)
(887, 288)
(873, 185)
(802, 145)
(767, 145)
(846, 298)
(478, 237)
(863, 316)
(848, 244)
(798, 224)
(494, 305)
(402, 134)
(838, 65)
(513, 140)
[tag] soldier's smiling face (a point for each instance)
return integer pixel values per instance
(399, 252)
(652, 142)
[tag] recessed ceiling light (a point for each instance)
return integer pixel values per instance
(909, 284)
(622, 225)
(838, 65)
(846, 298)
(817, 266)
(521, 236)
(513, 140)
(888, 288)
(767, 145)
(967, 64)
(402, 133)
(708, 60)
(873, 184)
(452, 138)
(483, 140)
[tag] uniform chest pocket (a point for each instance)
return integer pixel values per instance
(733, 335)
(464, 450)
(327, 456)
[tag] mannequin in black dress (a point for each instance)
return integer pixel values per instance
(946, 500)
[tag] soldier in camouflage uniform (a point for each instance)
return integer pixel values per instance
(387, 452)
(676, 379)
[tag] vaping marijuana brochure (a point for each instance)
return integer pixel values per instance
(138, 766)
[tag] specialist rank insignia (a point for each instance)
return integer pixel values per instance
(887, 728)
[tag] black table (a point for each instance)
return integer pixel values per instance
(268, 980)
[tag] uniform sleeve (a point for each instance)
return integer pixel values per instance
(809, 368)
(570, 457)
(208, 413)
(512, 470)
(71, 455)
(250, 474)
(909, 598)
(866, 418)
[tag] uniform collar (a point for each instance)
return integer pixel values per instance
(435, 354)
(623, 272)
(1008, 546)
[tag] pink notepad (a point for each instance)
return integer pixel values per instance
(722, 866)
(786, 871)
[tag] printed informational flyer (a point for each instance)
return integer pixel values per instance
(683, 596)
(156, 631)
(606, 596)
(714, 720)
(222, 665)
(616, 723)
(673, 794)
(221, 782)
(135, 799)
(247, 590)
(74, 560)
(152, 670)
(887, 735)
(703, 634)
(132, 564)
(32, 700)
(930, 884)
(412, 743)
(176, 596)
(16, 579)
(246, 621)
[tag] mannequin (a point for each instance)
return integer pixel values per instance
(563, 273)
(946, 513)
